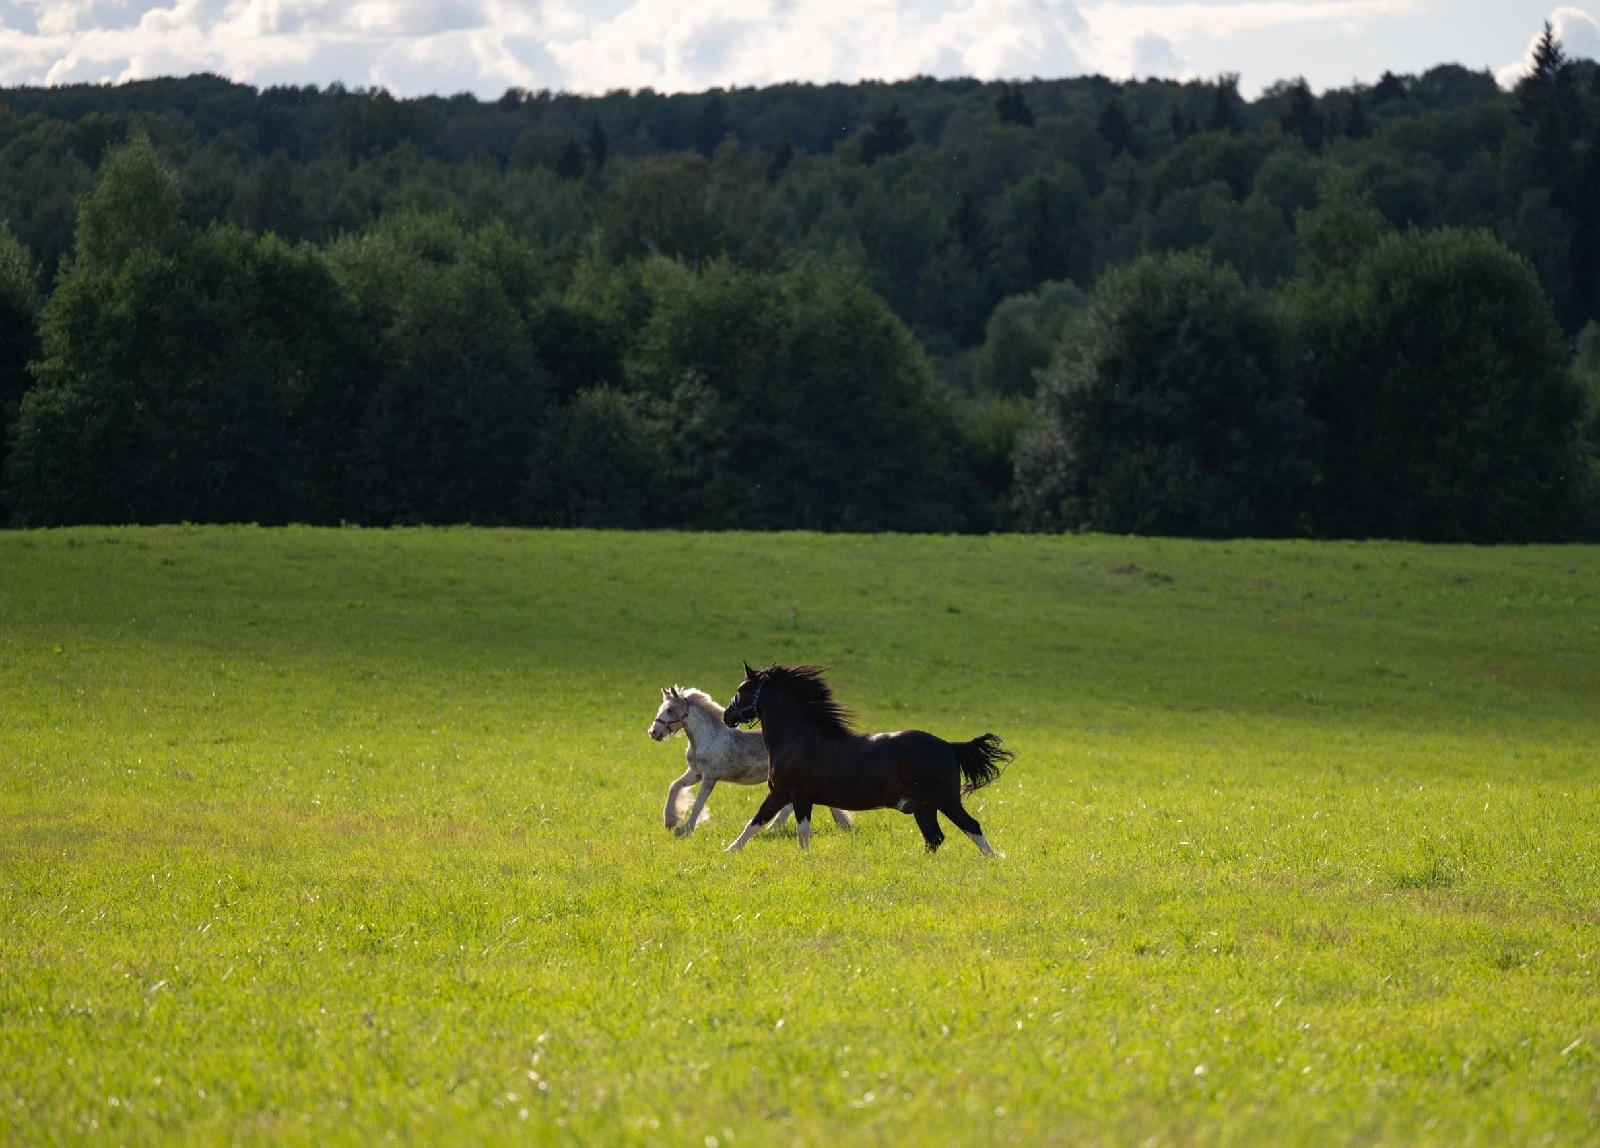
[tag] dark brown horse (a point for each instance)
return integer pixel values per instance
(815, 758)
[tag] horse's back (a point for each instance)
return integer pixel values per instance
(741, 758)
(911, 742)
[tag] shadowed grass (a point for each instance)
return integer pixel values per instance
(325, 835)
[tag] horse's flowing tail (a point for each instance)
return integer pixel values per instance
(981, 760)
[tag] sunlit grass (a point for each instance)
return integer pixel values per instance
(326, 835)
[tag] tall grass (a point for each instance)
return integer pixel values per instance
(341, 835)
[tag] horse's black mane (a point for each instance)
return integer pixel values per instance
(806, 685)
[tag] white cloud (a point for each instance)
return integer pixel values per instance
(1578, 32)
(1154, 55)
(671, 45)
(417, 46)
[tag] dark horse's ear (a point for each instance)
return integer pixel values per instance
(748, 672)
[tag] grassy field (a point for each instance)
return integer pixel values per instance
(338, 836)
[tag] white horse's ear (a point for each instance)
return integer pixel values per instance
(666, 693)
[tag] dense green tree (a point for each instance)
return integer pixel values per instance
(1168, 410)
(1353, 121)
(136, 203)
(1339, 232)
(985, 209)
(887, 135)
(1181, 122)
(173, 365)
(601, 460)
(570, 163)
(1389, 87)
(680, 206)
(19, 329)
(798, 400)
(782, 157)
(1222, 113)
(1586, 372)
(1440, 377)
(1115, 127)
(1012, 106)
(1300, 117)
(711, 125)
(1022, 335)
(169, 384)
(446, 405)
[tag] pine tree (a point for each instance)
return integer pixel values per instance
(782, 157)
(710, 126)
(599, 146)
(570, 165)
(972, 232)
(1048, 252)
(1012, 107)
(1223, 115)
(1389, 87)
(1547, 105)
(888, 134)
(1356, 124)
(1115, 127)
(1300, 116)
(1180, 123)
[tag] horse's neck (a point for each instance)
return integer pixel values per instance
(784, 719)
(703, 727)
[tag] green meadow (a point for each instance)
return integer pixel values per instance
(348, 836)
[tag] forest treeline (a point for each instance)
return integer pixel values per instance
(930, 305)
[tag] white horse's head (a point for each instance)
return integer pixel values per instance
(670, 717)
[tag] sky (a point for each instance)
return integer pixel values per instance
(415, 47)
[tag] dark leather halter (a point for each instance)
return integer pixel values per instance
(749, 713)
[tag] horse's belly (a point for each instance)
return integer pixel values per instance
(739, 765)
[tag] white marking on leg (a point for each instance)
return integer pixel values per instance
(982, 843)
(802, 830)
(750, 831)
(842, 819)
(698, 812)
(783, 815)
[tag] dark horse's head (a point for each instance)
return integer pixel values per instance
(804, 685)
(746, 704)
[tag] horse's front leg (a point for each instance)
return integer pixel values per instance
(677, 798)
(707, 784)
(776, 799)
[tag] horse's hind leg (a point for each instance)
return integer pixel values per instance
(802, 820)
(842, 819)
(928, 822)
(968, 824)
